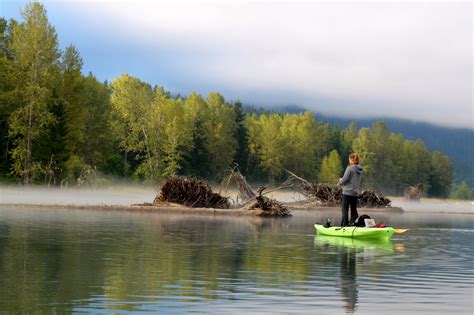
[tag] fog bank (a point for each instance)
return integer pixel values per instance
(117, 195)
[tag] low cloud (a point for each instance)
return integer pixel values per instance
(406, 60)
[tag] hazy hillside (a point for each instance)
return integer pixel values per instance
(458, 144)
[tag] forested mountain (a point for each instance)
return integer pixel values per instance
(456, 143)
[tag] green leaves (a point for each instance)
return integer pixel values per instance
(35, 49)
(462, 192)
(331, 168)
(52, 115)
(294, 142)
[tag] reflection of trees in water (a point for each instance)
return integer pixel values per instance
(348, 276)
(68, 263)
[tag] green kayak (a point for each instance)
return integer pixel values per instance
(355, 232)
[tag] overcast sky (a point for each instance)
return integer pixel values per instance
(353, 59)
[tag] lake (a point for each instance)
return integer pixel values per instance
(59, 260)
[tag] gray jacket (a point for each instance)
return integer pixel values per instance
(350, 182)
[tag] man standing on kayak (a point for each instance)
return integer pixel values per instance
(350, 183)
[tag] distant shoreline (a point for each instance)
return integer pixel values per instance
(177, 208)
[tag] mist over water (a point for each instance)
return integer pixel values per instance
(127, 194)
(113, 195)
(435, 205)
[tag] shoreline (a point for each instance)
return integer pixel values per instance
(177, 208)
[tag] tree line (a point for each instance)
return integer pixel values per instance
(61, 127)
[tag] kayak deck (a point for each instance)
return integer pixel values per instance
(355, 232)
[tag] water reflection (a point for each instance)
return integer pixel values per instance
(348, 278)
(346, 251)
(97, 260)
(57, 261)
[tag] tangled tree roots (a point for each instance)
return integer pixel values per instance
(269, 207)
(191, 192)
(325, 194)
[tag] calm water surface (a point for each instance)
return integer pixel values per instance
(119, 262)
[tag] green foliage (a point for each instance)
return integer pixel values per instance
(461, 191)
(196, 162)
(348, 136)
(291, 141)
(132, 100)
(59, 126)
(220, 128)
(35, 49)
(242, 153)
(266, 143)
(174, 134)
(8, 99)
(153, 125)
(441, 175)
(392, 163)
(331, 168)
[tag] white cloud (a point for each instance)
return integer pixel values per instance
(401, 59)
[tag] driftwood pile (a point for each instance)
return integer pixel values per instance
(326, 195)
(267, 207)
(264, 206)
(370, 199)
(413, 193)
(191, 192)
(331, 196)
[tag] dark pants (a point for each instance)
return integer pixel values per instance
(346, 201)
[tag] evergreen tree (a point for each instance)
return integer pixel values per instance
(8, 99)
(98, 133)
(242, 154)
(73, 113)
(441, 175)
(197, 162)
